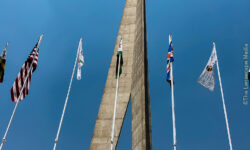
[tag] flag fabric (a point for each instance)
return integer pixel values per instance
(80, 60)
(206, 78)
(26, 72)
(170, 59)
(2, 62)
(118, 54)
(249, 77)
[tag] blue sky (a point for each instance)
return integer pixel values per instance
(194, 24)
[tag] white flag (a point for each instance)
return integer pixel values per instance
(207, 77)
(80, 60)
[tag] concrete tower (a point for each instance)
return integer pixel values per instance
(133, 84)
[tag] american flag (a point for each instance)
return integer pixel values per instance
(21, 85)
(170, 58)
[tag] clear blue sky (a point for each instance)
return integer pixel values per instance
(194, 24)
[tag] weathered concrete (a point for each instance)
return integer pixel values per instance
(133, 83)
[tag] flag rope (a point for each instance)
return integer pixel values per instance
(116, 99)
(66, 102)
(18, 100)
(173, 108)
(224, 107)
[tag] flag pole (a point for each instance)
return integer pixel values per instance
(116, 98)
(224, 105)
(11, 118)
(173, 108)
(66, 101)
(172, 96)
(18, 100)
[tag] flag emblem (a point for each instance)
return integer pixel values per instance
(209, 68)
(21, 85)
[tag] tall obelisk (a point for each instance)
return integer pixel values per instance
(133, 84)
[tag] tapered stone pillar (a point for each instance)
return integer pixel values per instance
(133, 84)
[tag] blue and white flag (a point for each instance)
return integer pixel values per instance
(170, 58)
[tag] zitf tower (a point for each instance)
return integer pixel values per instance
(133, 84)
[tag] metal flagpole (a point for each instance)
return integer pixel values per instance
(11, 118)
(116, 98)
(66, 102)
(224, 106)
(18, 100)
(173, 108)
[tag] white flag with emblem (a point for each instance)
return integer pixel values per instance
(207, 77)
(80, 60)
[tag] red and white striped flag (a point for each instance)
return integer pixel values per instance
(21, 85)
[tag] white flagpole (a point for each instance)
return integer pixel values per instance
(66, 101)
(224, 106)
(18, 100)
(173, 108)
(172, 96)
(116, 98)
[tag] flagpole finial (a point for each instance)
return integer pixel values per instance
(6, 45)
(39, 41)
(80, 42)
(170, 38)
(214, 47)
(41, 36)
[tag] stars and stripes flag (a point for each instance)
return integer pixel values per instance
(80, 60)
(206, 78)
(170, 59)
(118, 54)
(21, 85)
(2, 62)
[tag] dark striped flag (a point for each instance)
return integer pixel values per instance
(2, 62)
(249, 77)
(21, 85)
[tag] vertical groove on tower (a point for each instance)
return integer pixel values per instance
(147, 99)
